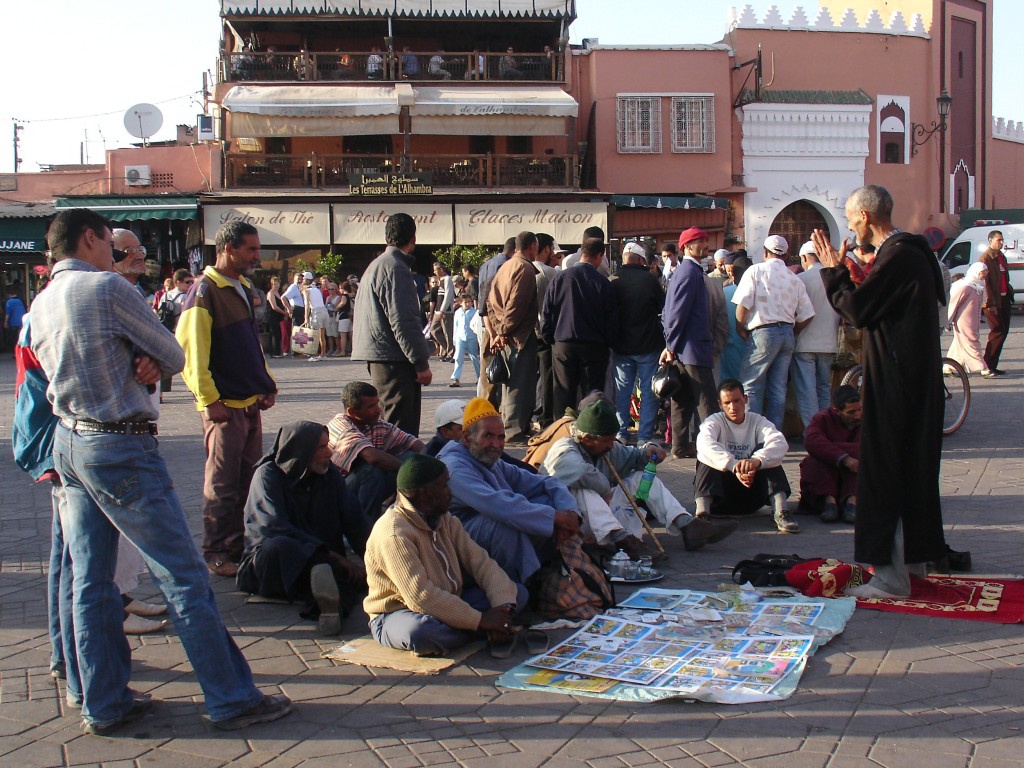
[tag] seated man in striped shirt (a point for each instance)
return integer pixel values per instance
(368, 449)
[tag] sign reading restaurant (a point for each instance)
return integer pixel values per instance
(364, 224)
(381, 184)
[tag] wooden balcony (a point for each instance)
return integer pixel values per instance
(368, 66)
(250, 170)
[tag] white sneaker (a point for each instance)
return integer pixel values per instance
(138, 625)
(314, 359)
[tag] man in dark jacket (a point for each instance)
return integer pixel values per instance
(296, 518)
(635, 352)
(899, 510)
(387, 330)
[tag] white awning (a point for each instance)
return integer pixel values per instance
(312, 100)
(305, 110)
(467, 111)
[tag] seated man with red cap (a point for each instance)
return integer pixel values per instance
(688, 340)
(514, 515)
(432, 588)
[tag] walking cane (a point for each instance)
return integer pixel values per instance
(632, 503)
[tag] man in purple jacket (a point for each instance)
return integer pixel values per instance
(828, 474)
(688, 343)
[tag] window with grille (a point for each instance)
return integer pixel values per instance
(639, 124)
(693, 123)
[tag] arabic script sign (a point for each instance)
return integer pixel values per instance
(378, 185)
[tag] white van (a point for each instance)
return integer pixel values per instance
(971, 243)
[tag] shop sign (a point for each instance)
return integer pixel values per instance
(384, 184)
(278, 224)
(364, 224)
(492, 224)
(22, 246)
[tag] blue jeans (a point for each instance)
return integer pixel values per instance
(119, 483)
(767, 371)
(428, 636)
(60, 601)
(812, 383)
(469, 347)
(627, 368)
(372, 486)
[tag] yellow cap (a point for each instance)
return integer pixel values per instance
(478, 408)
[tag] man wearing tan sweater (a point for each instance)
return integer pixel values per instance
(417, 555)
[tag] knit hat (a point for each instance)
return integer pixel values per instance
(691, 234)
(721, 253)
(419, 470)
(477, 410)
(636, 249)
(807, 247)
(449, 412)
(598, 419)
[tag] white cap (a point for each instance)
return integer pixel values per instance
(776, 244)
(721, 253)
(556, 248)
(449, 412)
(807, 247)
(307, 275)
(636, 249)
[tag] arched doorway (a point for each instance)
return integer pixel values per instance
(795, 222)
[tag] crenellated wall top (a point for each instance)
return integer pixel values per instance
(823, 21)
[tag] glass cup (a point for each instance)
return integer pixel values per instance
(645, 567)
(631, 571)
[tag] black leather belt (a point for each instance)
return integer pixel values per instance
(115, 427)
(770, 325)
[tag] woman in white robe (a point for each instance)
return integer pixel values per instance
(965, 299)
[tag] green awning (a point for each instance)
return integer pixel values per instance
(23, 235)
(136, 208)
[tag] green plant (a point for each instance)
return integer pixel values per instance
(330, 264)
(301, 266)
(454, 257)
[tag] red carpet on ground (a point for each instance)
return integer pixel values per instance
(954, 597)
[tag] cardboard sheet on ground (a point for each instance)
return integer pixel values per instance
(661, 644)
(367, 652)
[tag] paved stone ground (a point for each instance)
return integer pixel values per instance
(892, 690)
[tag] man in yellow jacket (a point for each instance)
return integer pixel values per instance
(227, 373)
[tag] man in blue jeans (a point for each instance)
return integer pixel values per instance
(772, 306)
(115, 480)
(635, 351)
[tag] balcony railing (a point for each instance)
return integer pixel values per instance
(248, 170)
(377, 66)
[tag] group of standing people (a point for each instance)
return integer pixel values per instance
(320, 304)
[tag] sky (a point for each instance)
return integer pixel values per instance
(73, 68)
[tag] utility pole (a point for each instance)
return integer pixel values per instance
(17, 129)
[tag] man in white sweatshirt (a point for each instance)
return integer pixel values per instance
(739, 462)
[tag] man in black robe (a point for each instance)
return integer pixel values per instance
(899, 518)
(297, 516)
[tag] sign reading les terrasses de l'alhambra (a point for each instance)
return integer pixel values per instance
(384, 184)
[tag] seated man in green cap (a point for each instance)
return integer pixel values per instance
(583, 462)
(432, 589)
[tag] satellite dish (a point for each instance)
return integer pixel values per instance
(143, 120)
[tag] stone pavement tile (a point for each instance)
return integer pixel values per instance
(366, 759)
(130, 743)
(897, 756)
(216, 745)
(335, 739)
(792, 760)
(18, 751)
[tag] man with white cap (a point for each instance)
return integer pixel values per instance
(772, 306)
(719, 272)
(635, 351)
(448, 421)
(811, 369)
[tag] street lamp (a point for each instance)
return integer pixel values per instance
(942, 102)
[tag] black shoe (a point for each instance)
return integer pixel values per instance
(637, 548)
(140, 706)
(271, 708)
(998, 372)
(699, 532)
(830, 513)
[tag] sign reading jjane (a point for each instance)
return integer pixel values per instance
(278, 224)
(378, 185)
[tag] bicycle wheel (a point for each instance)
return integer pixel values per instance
(956, 390)
(854, 377)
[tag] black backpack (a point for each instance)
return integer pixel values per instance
(167, 314)
(766, 570)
